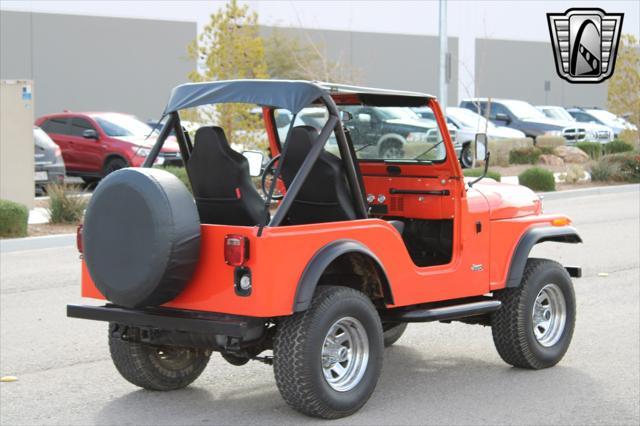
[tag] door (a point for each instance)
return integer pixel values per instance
(87, 152)
(58, 129)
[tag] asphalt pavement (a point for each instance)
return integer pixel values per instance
(436, 374)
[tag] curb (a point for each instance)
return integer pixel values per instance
(587, 192)
(36, 243)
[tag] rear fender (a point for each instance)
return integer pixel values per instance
(530, 238)
(322, 259)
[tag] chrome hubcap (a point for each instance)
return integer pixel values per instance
(345, 354)
(549, 315)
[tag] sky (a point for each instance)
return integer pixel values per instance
(466, 19)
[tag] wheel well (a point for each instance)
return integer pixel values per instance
(360, 272)
(112, 157)
(390, 139)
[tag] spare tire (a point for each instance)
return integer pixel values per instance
(141, 237)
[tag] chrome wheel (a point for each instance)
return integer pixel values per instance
(549, 315)
(345, 354)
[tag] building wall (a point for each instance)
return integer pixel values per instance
(390, 61)
(16, 141)
(89, 63)
(519, 69)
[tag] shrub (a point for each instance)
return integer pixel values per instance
(13, 219)
(632, 137)
(180, 173)
(592, 149)
(524, 155)
(538, 179)
(63, 206)
(617, 146)
(500, 148)
(478, 172)
(627, 166)
(603, 170)
(544, 141)
(548, 150)
(574, 174)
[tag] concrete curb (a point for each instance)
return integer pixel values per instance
(36, 243)
(586, 192)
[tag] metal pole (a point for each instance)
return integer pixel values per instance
(442, 32)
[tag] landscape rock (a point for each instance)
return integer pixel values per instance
(571, 154)
(551, 160)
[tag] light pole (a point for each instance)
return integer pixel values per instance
(442, 32)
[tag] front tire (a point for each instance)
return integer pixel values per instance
(113, 165)
(155, 367)
(534, 326)
(466, 157)
(327, 359)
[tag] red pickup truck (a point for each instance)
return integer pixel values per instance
(95, 144)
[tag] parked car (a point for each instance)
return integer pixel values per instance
(595, 132)
(602, 117)
(49, 165)
(468, 124)
(525, 117)
(96, 144)
(384, 132)
(358, 248)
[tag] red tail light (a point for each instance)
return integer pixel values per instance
(79, 239)
(236, 249)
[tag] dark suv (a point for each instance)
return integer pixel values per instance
(96, 144)
(525, 117)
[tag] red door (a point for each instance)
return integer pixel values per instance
(86, 147)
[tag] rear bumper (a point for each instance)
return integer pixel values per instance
(172, 320)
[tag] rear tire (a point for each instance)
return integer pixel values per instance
(155, 367)
(393, 333)
(534, 326)
(327, 359)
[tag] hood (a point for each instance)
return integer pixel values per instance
(504, 132)
(507, 201)
(551, 122)
(170, 145)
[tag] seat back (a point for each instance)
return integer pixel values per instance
(325, 195)
(221, 182)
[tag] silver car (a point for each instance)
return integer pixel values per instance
(594, 132)
(49, 165)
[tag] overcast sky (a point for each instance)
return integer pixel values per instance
(521, 20)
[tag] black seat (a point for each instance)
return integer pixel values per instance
(221, 182)
(325, 195)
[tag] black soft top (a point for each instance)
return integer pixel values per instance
(292, 95)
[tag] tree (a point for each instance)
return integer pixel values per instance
(624, 86)
(230, 47)
(289, 57)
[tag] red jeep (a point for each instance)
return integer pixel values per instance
(95, 144)
(357, 248)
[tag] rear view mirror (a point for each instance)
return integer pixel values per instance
(364, 118)
(345, 116)
(255, 159)
(90, 134)
(503, 117)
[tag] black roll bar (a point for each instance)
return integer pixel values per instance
(164, 133)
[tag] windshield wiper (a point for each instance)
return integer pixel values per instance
(365, 146)
(417, 157)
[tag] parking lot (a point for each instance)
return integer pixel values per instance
(436, 374)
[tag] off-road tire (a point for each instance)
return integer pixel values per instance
(297, 354)
(139, 364)
(394, 333)
(512, 324)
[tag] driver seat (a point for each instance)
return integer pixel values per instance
(221, 182)
(325, 195)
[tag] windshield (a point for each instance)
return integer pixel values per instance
(606, 117)
(468, 118)
(558, 114)
(122, 125)
(523, 110)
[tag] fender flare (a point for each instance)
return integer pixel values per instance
(530, 238)
(322, 259)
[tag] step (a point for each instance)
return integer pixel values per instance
(443, 313)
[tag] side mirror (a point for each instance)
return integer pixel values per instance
(90, 134)
(255, 159)
(364, 118)
(345, 116)
(503, 117)
(481, 141)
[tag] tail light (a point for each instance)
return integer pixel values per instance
(236, 249)
(79, 239)
(57, 152)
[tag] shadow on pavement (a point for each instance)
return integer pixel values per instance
(410, 380)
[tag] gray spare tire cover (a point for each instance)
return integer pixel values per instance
(141, 237)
